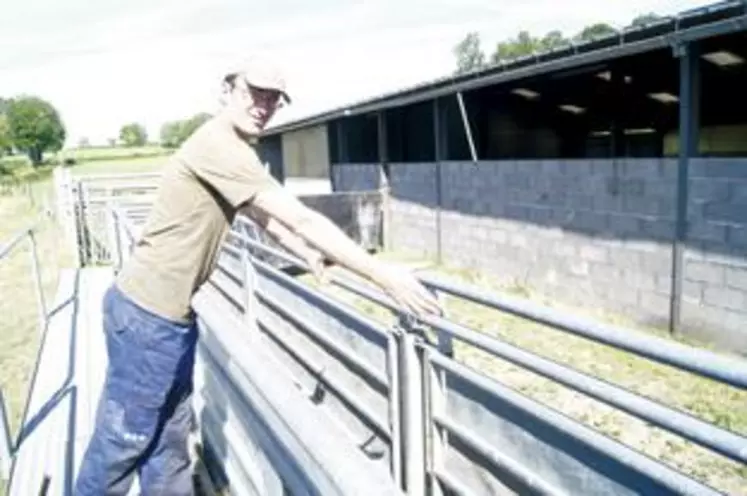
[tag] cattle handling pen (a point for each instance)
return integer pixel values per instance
(300, 389)
(297, 392)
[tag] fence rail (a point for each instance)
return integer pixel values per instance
(394, 398)
(16, 242)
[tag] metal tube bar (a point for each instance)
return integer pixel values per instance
(6, 445)
(672, 479)
(467, 129)
(724, 369)
(36, 274)
(321, 300)
(342, 392)
(395, 414)
(348, 356)
(523, 475)
(706, 434)
(414, 429)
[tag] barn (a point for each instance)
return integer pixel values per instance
(609, 175)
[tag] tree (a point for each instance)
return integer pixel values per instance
(5, 142)
(468, 53)
(645, 19)
(35, 127)
(594, 31)
(174, 133)
(84, 142)
(133, 134)
(554, 39)
(523, 44)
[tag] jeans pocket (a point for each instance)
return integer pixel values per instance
(130, 426)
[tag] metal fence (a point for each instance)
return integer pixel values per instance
(465, 433)
(25, 237)
(83, 204)
(301, 393)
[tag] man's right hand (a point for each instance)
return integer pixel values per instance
(402, 286)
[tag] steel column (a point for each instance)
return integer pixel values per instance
(688, 147)
(437, 157)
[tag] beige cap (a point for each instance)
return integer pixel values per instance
(261, 72)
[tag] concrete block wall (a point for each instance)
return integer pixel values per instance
(355, 177)
(591, 233)
(715, 274)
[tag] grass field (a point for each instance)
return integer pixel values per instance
(703, 398)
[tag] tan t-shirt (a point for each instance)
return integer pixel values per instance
(205, 182)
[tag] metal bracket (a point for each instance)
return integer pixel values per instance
(679, 48)
(467, 129)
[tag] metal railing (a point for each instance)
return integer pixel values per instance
(26, 235)
(283, 368)
(428, 371)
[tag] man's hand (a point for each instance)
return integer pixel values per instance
(315, 260)
(407, 291)
(325, 236)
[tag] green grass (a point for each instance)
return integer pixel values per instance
(131, 165)
(113, 153)
(703, 398)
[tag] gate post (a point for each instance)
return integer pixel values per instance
(65, 211)
(413, 428)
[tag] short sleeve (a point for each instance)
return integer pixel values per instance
(228, 165)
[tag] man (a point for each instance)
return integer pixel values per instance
(144, 413)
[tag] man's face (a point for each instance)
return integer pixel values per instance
(251, 108)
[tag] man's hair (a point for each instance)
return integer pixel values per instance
(230, 80)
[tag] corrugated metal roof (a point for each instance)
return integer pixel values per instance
(707, 21)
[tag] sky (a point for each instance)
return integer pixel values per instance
(103, 63)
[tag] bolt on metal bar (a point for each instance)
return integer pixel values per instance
(672, 479)
(530, 480)
(724, 369)
(343, 392)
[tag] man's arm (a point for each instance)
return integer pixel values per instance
(281, 234)
(323, 234)
(290, 241)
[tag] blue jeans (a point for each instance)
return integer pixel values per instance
(144, 413)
